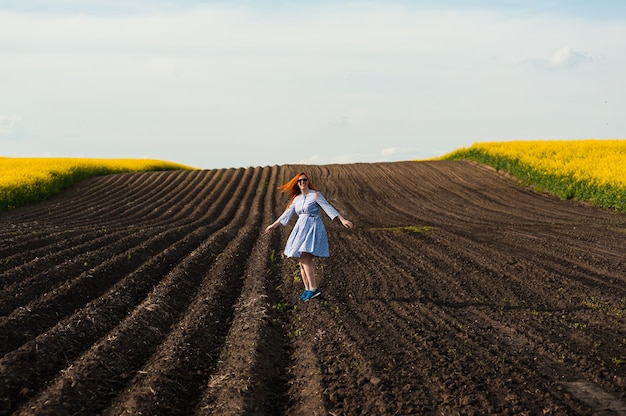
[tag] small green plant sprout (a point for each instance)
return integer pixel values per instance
(297, 277)
(593, 303)
(618, 361)
(606, 307)
(280, 307)
(274, 261)
(504, 303)
(410, 228)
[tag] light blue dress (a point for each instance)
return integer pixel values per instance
(309, 234)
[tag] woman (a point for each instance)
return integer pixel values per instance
(308, 238)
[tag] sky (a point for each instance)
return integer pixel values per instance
(219, 84)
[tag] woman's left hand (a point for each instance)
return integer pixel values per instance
(346, 223)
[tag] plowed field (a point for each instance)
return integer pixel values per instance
(458, 292)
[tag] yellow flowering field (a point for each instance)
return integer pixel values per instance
(26, 180)
(592, 170)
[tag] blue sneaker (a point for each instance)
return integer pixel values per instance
(304, 295)
(312, 294)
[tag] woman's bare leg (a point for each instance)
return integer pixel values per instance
(305, 279)
(308, 275)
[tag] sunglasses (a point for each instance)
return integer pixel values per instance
(303, 180)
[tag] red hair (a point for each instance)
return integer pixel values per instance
(292, 189)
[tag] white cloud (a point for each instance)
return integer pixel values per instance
(567, 58)
(561, 58)
(390, 151)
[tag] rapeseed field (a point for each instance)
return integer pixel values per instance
(27, 180)
(590, 170)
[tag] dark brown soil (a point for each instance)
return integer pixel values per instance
(458, 292)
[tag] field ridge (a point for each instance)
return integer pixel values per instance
(459, 292)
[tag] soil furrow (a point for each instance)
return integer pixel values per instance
(178, 369)
(101, 372)
(113, 358)
(508, 358)
(43, 274)
(41, 314)
(163, 207)
(43, 357)
(512, 303)
(77, 208)
(52, 243)
(330, 359)
(159, 185)
(38, 244)
(305, 392)
(170, 382)
(50, 307)
(260, 387)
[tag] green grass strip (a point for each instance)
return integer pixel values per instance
(565, 187)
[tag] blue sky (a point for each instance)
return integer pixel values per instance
(233, 84)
